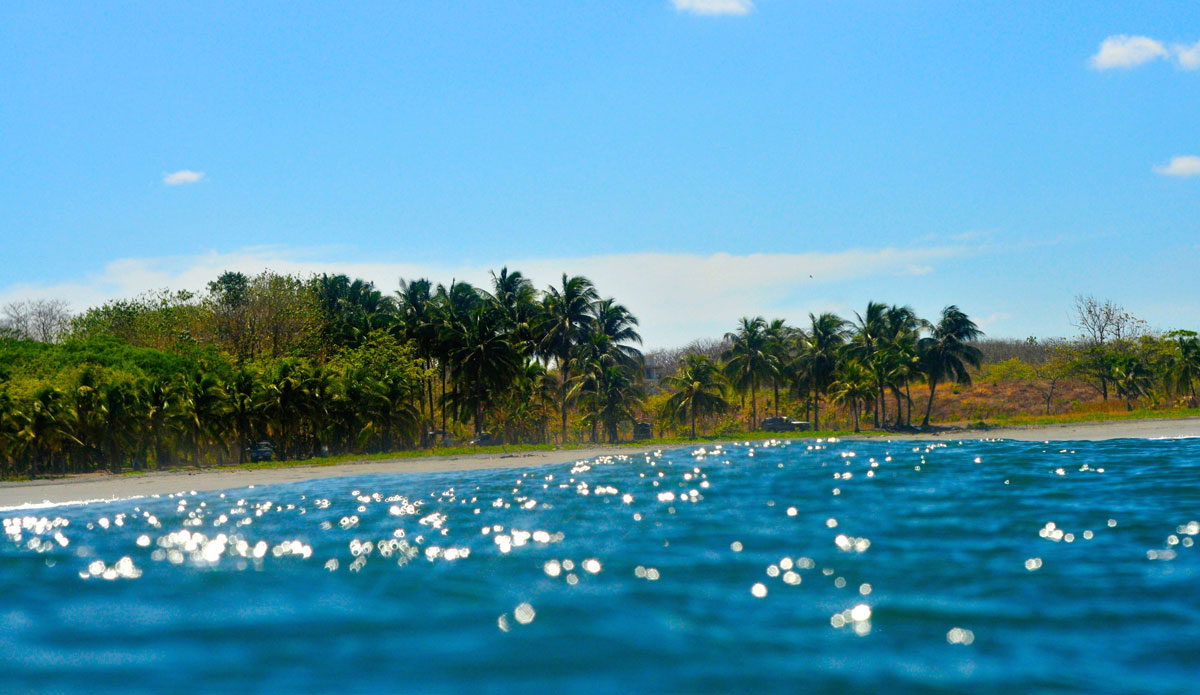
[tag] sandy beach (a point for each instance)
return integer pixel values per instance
(104, 487)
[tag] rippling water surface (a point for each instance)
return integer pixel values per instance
(801, 566)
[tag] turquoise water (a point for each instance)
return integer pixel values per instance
(800, 567)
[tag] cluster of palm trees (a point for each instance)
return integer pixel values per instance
(852, 364)
(404, 370)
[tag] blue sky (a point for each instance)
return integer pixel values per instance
(700, 159)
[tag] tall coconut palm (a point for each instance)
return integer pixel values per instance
(201, 407)
(455, 304)
(946, 352)
(749, 360)
(243, 408)
(284, 402)
(158, 403)
(44, 426)
(118, 407)
(483, 364)
(1186, 364)
(417, 322)
(819, 352)
(699, 391)
(566, 314)
(779, 343)
(514, 302)
(868, 345)
(1132, 379)
(390, 408)
(853, 387)
(899, 357)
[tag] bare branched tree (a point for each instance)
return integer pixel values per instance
(44, 320)
(1103, 322)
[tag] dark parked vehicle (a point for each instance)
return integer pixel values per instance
(642, 430)
(782, 424)
(487, 439)
(263, 451)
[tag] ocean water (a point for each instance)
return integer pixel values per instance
(802, 566)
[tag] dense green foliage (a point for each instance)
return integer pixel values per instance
(888, 349)
(318, 366)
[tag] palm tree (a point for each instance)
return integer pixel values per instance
(853, 388)
(819, 355)
(749, 360)
(867, 344)
(778, 347)
(1187, 364)
(454, 305)
(201, 406)
(284, 402)
(118, 406)
(390, 410)
(241, 391)
(44, 427)
(418, 324)
(946, 352)
(514, 301)
(566, 314)
(483, 364)
(699, 391)
(158, 400)
(899, 357)
(1132, 379)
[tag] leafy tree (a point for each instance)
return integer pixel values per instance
(946, 352)
(853, 387)
(566, 315)
(699, 391)
(750, 360)
(819, 353)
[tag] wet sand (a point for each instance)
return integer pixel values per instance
(104, 487)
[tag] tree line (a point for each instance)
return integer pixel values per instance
(859, 365)
(318, 365)
(333, 365)
(870, 364)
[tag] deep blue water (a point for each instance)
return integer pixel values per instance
(835, 567)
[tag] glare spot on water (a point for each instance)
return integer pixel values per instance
(524, 613)
(759, 590)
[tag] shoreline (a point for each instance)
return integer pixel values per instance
(100, 487)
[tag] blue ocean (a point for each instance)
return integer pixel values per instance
(815, 566)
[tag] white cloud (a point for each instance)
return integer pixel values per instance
(183, 176)
(1186, 165)
(1188, 57)
(714, 7)
(677, 296)
(1123, 51)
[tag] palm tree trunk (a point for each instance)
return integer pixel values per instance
(562, 389)
(908, 397)
(816, 412)
(775, 386)
(693, 422)
(854, 407)
(881, 403)
(929, 408)
(753, 407)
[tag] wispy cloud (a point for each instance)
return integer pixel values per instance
(1188, 57)
(183, 176)
(1126, 52)
(677, 296)
(714, 7)
(1185, 165)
